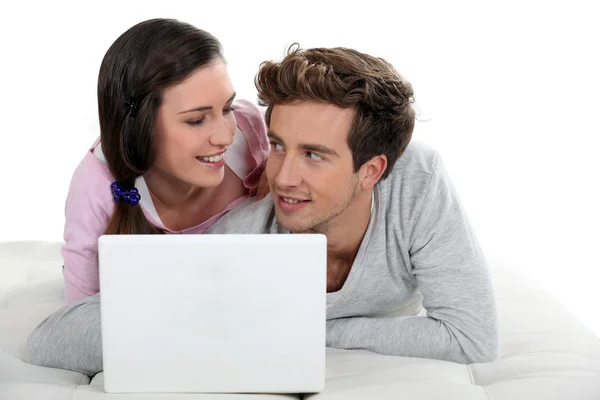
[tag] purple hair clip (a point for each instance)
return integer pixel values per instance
(130, 196)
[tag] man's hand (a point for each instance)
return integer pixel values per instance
(262, 189)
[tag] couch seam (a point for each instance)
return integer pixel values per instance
(8, 294)
(78, 386)
(486, 392)
(470, 375)
(74, 391)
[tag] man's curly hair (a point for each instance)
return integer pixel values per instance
(382, 99)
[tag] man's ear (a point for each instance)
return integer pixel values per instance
(371, 171)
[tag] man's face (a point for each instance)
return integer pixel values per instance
(310, 168)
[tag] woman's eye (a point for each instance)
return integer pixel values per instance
(228, 110)
(196, 122)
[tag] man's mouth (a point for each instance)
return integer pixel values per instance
(292, 200)
(290, 204)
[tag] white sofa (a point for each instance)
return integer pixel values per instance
(546, 353)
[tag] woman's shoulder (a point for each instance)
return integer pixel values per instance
(91, 178)
(251, 122)
(248, 110)
(250, 119)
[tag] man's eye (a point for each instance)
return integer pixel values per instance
(314, 156)
(276, 146)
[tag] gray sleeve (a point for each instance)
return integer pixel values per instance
(69, 339)
(453, 277)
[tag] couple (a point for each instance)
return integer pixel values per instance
(405, 273)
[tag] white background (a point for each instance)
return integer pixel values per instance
(508, 93)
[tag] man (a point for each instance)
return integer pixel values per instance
(405, 273)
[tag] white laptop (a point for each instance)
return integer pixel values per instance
(213, 313)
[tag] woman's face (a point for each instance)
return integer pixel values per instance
(194, 126)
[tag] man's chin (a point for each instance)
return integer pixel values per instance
(294, 224)
(288, 225)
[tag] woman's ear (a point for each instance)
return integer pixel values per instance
(371, 171)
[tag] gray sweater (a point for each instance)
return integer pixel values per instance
(419, 286)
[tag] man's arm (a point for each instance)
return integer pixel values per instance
(447, 261)
(69, 339)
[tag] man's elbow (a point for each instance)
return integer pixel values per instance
(484, 350)
(478, 347)
(488, 353)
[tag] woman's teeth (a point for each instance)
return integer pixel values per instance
(212, 158)
(291, 201)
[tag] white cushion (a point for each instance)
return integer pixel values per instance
(545, 353)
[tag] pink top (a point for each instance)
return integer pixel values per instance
(89, 203)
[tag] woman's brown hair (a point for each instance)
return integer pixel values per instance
(145, 60)
(382, 98)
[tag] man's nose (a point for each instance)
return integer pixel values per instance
(289, 174)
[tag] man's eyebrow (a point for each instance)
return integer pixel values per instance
(274, 136)
(206, 108)
(318, 148)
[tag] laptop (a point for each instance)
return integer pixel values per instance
(213, 313)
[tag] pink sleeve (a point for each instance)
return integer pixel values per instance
(251, 121)
(87, 211)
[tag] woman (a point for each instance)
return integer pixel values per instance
(175, 151)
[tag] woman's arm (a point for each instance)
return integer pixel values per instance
(88, 208)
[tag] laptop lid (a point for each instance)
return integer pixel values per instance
(213, 313)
